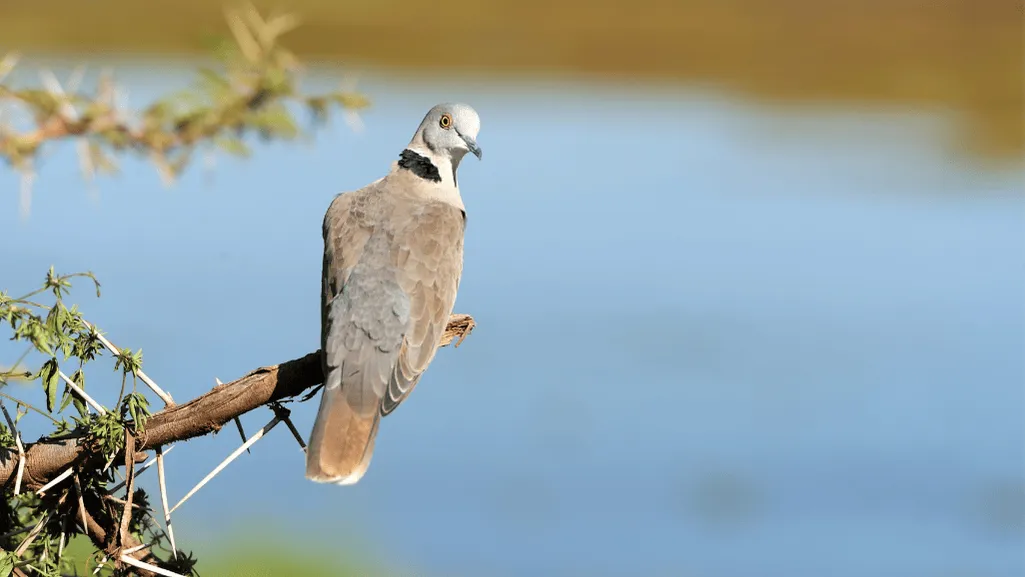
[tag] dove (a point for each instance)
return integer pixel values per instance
(393, 259)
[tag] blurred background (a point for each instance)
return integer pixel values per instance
(748, 278)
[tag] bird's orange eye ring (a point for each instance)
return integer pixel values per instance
(446, 121)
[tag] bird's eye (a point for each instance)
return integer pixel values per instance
(446, 121)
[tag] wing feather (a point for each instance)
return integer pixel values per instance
(364, 314)
(432, 252)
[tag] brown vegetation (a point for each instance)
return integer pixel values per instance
(960, 55)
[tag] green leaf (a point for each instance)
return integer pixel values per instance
(49, 374)
(6, 437)
(233, 145)
(87, 345)
(7, 560)
(62, 427)
(128, 361)
(136, 406)
(66, 398)
(79, 378)
(30, 328)
(212, 83)
(107, 431)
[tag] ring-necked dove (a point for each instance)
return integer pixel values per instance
(393, 257)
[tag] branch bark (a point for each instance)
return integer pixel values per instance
(203, 415)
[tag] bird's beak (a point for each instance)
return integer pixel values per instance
(471, 144)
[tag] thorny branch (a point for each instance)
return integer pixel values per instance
(251, 96)
(200, 416)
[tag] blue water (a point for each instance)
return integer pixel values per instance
(715, 338)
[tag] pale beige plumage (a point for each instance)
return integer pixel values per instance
(393, 257)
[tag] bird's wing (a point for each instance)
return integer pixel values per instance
(346, 228)
(428, 255)
(364, 313)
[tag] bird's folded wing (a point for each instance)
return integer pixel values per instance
(428, 255)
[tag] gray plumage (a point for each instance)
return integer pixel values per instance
(393, 258)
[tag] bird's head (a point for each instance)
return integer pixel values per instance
(449, 130)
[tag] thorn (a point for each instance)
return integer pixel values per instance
(81, 393)
(295, 433)
(136, 548)
(21, 450)
(164, 396)
(85, 161)
(241, 431)
(120, 98)
(75, 80)
(234, 455)
(100, 565)
(285, 414)
(164, 168)
(110, 461)
(247, 43)
(354, 121)
(280, 25)
(105, 86)
(163, 500)
(25, 195)
(238, 421)
(54, 86)
(42, 490)
(141, 470)
(60, 545)
(33, 534)
(143, 565)
(81, 504)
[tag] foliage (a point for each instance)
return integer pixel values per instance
(59, 333)
(275, 554)
(247, 554)
(251, 96)
(798, 52)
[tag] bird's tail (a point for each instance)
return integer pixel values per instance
(342, 441)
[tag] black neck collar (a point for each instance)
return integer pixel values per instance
(419, 165)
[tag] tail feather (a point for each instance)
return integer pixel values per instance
(342, 442)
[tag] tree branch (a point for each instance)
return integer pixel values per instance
(102, 526)
(203, 415)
